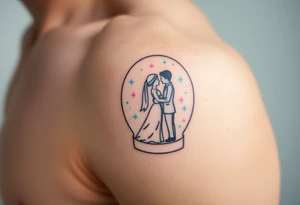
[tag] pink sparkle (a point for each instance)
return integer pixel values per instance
(151, 65)
(181, 99)
(133, 94)
(183, 120)
(172, 64)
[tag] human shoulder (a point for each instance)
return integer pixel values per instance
(228, 118)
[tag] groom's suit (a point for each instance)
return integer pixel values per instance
(169, 109)
(168, 94)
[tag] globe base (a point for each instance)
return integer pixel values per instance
(163, 148)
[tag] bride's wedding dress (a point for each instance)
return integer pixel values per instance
(151, 130)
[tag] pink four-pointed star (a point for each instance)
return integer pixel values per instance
(133, 94)
(151, 65)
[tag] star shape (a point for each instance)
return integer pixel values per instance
(183, 120)
(180, 79)
(181, 99)
(151, 65)
(133, 94)
(184, 108)
(127, 102)
(131, 82)
(165, 62)
(134, 116)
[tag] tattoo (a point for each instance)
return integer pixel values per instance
(157, 100)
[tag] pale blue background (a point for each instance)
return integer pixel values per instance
(265, 32)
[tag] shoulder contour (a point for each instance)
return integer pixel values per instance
(136, 31)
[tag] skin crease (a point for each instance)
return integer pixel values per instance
(64, 139)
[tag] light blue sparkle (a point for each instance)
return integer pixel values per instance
(131, 82)
(135, 116)
(141, 69)
(179, 126)
(184, 108)
(127, 102)
(180, 79)
(165, 62)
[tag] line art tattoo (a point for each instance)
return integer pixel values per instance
(157, 100)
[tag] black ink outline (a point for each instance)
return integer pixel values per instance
(147, 126)
(162, 106)
(157, 125)
(150, 137)
(193, 105)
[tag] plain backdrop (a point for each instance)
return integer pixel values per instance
(265, 32)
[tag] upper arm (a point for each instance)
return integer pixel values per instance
(169, 93)
(229, 154)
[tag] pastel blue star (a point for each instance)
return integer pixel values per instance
(184, 108)
(131, 82)
(179, 126)
(165, 62)
(141, 69)
(180, 79)
(127, 102)
(135, 116)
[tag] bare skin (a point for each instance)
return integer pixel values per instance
(64, 139)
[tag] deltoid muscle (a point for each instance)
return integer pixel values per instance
(157, 99)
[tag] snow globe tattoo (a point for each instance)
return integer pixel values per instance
(157, 100)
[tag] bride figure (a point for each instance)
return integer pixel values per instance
(151, 130)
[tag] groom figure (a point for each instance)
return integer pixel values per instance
(168, 106)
